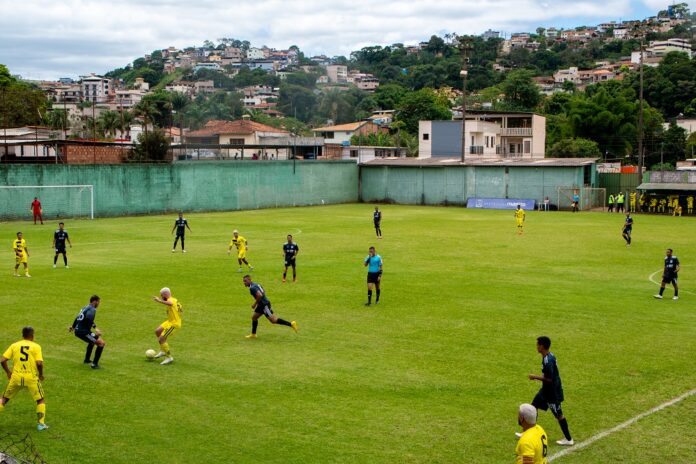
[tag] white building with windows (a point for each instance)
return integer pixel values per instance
(489, 135)
(95, 88)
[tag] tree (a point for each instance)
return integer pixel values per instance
(21, 103)
(109, 122)
(521, 92)
(297, 100)
(421, 105)
(574, 148)
(152, 146)
(389, 96)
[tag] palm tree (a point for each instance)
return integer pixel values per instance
(109, 122)
(147, 110)
(126, 119)
(179, 103)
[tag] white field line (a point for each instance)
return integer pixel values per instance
(628, 423)
(658, 283)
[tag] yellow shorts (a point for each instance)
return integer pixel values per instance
(168, 328)
(21, 259)
(21, 381)
(519, 222)
(241, 254)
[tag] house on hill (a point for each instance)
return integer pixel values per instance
(240, 132)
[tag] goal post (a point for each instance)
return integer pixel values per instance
(590, 198)
(57, 201)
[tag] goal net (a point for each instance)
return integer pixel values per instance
(57, 201)
(590, 198)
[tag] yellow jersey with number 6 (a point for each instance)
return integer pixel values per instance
(533, 443)
(174, 312)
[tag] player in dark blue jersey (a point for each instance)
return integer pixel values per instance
(60, 236)
(670, 274)
(86, 330)
(180, 225)
(551, 394)
(290, 251)
(627, 229)
(262, 307)
(377, 219)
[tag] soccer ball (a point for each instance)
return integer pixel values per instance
(150, 354)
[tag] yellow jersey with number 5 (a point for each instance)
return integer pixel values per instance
(533, 443)
(24, 355)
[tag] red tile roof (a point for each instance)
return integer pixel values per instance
(241, 126)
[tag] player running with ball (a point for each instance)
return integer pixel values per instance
(168, 327)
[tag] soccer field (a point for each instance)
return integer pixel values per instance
(434, 374)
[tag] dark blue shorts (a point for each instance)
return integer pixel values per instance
(542, 403)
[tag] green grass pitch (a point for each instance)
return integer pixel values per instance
(434, 374)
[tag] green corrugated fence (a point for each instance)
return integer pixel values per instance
(190, 186)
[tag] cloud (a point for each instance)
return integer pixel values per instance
(47, 39)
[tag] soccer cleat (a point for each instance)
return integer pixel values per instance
(368, 303)
(675, 297)
(251, 268)
(659, 297)
(16, 275)
(565, 442)
(283, 279)
(87, 361)
(54, 266)
(518, 434)
(183, 251)
(173, 250)
(67, 267)
(160, 354)
(94, 366)
(41, 427)
(293, 324)
(167, 360)
(250, 336)
(377, 302)
(27, 275)
(239, 270)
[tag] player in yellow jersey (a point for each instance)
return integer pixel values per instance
(27, 372)
(168, 327)
(632, 202)
(519, 219)
(19, 245)
(242, 247)
(690, 204)
(532, 446)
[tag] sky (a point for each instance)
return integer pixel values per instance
(47, 39)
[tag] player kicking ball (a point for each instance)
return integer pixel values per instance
(168, 327)
(262, 307)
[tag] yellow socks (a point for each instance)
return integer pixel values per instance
(41, 413)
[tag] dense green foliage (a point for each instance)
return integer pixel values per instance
(150, 146)
(21, 103)
(422, 365)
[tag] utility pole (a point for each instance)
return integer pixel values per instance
(464, 47)
(640, 117)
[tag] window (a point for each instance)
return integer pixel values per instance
(512, 148)
(426, 136)
(472, 140)
(493, 141)
(236, 141)
(527, 146)
(329, 135)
